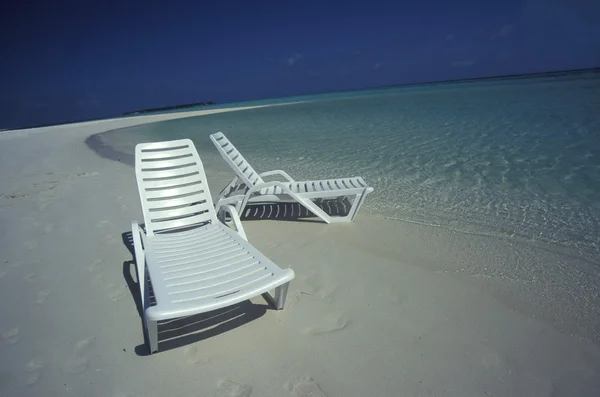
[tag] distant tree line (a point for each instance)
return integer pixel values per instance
(182, 106)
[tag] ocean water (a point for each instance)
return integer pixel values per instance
(515, 158)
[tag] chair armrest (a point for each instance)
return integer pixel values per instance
(225, 209)
(231, 187)
(139, 242)
(263, 185)
(277, 172)
(260, 186)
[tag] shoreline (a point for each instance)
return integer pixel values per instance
(377, 307)
(105, 150)
(551, 247)
(124, 122)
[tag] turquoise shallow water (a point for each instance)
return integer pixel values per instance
(514, 158)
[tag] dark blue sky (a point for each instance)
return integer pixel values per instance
(89, 59)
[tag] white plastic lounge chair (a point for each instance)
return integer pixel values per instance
(256, 190)
(193, 261)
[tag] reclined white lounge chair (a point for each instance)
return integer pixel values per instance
(192, 260)
(249, 186)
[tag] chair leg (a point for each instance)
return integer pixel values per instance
(152, 330)
(358, 202)
(239, 209)
(312, 207)
(281, 295)
(278, 301)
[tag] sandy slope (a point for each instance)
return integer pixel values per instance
(359, 320)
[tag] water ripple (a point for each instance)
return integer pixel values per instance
(510, 160)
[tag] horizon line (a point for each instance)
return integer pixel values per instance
(422, 83)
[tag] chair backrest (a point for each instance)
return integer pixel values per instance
(233, 157)
(172, 186)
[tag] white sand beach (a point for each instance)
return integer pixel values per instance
(374, 310)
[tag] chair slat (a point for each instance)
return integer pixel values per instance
(157, 165)
(188, 293)
(164, 155)
(192, 220)
(175, 191)
(173, 182)
(234, 158)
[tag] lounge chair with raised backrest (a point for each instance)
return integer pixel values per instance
(250, 187)
(191, 259)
